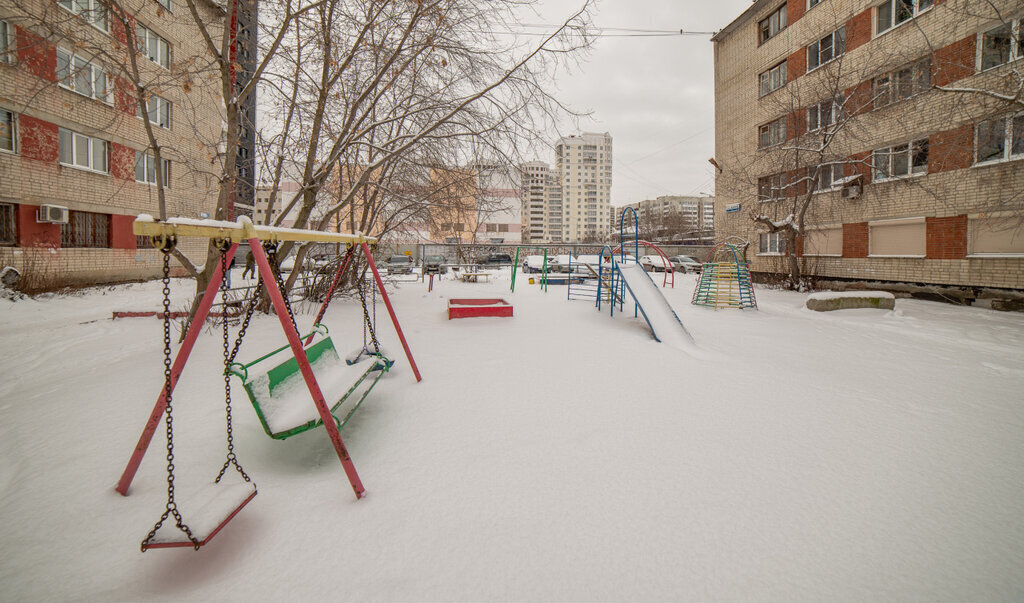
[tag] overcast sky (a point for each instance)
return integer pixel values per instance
(654, 95)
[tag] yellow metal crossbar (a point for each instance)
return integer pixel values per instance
(242, 230)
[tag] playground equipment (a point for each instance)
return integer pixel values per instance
(724, 283)
(227, 502)
(543, 270)
(472, 308)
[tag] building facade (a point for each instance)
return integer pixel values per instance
(75, 160)
(671, 218)
(498, 204)
(888, 126)
(584, 166)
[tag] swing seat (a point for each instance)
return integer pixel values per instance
(219, 505)
(282, 400)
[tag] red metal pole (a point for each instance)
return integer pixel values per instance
(391, 311)
(330, 292)
(307, 371)
(179, 365)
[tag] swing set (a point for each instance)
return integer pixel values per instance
(273, 392)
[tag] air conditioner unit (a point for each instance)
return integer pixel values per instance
(851, 191)
(54, 214)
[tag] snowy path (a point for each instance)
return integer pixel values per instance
(558, 455)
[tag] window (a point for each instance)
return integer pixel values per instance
(772, 133)
(772, 242)
(153, 46)
(771, 188)
(824, 50)
(145, 168)
(772, 25)
(85, 229)
(8, 233)
(6, 42)
(773, 79)
(80, 75)
(1000, 139)
(82, 151)
(812, 3)
(824, 114)
(902, 83)
(828, 175)
(93, 11)
(995, 235)
(824, 241)
(897, 238)
(893, 12)
(7, 135)
(158, 110)
(900, 161)
(1002, 44)
(165, 3)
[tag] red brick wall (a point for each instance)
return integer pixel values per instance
(124, 96)
(946, 238)
(794, 10)
(855, 240)
(796, 124)
(859, 98)
(799, 246)
(39, 139)
(122, 161)
(35, 234)
(954, 62)
(951, 149)
(858, 30)
(36, 55)
(862, 166)
(796, 64)
(121, 235)
(796, 176)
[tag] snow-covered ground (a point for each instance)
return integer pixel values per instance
(557, 455)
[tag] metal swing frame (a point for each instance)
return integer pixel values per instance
(235, 232)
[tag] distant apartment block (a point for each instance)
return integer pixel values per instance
(671, 218)
(895, 118)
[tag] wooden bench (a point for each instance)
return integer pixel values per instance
(471, 277)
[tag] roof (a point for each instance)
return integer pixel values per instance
(740, 20)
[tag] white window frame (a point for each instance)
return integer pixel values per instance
(912, 149)
(1016, 50)
(7, 45)
(780, 23)
(778, 238)
(149, 112)
(776, 73)
(780, 131)
(775, 193)
(90, 159)
(812, 3)
(149, 169)
(834, 183)
(814, 48)
(920, 74)
(143, 36)
(92, 11)
(1010, 125)
(166, 4)
(893, 222)
(835, 107)
(918, 8)
(14, 132)
(74, 69)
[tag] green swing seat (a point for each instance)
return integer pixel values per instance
(280, 396)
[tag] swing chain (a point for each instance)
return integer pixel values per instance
(271, 250)
(366, 314)
(231, 458)
(167, 245)
(245, 321)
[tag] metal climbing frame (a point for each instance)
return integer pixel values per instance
(244, 230)
(724, 283)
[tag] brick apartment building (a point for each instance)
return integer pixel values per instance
(886, 113)
(75, 166)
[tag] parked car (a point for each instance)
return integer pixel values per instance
(582, 261)
(685, 263)
(558, 263)
(535, 263)
(399, 264)
(495, 259)
(655, 263)
(437, 264)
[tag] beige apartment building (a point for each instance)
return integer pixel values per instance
(75, 164)
(670, 218)
(888, 126)
(584, 167)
